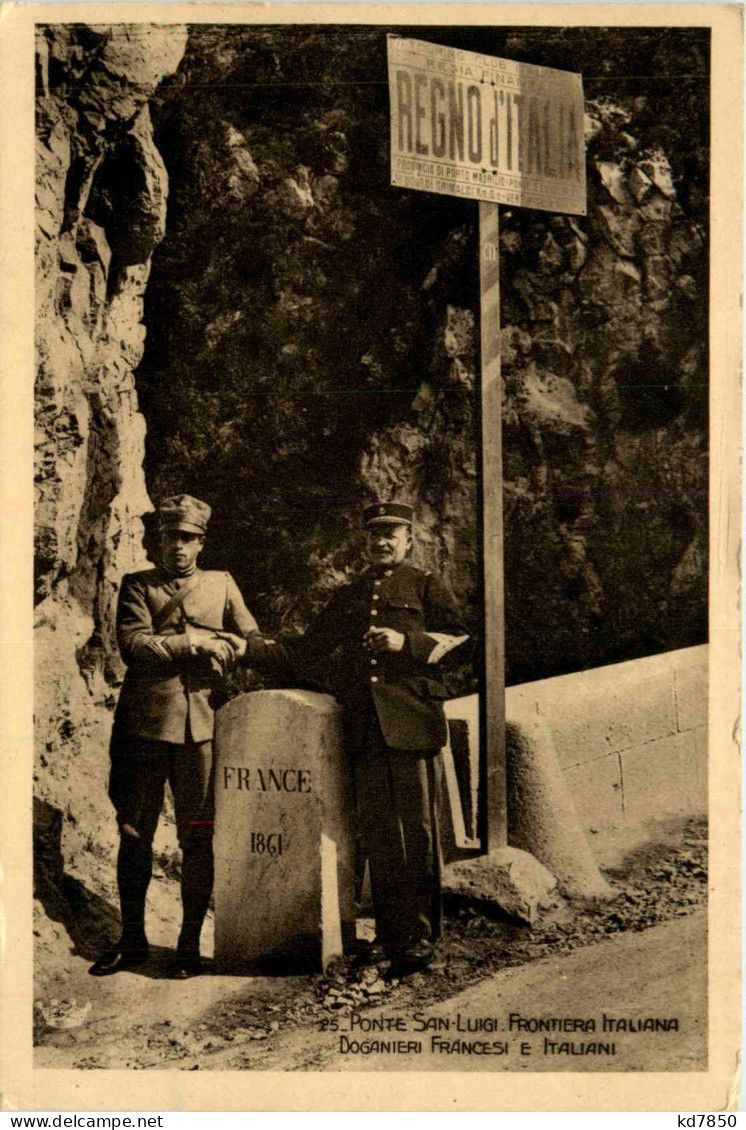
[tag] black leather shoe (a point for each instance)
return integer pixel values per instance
(118, 959)
(187, 964)
(414, 957)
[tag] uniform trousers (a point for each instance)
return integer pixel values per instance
(398, 796)
(139, 771)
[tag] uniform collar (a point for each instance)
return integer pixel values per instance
(174, 578)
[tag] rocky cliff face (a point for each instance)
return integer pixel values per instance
(293, 336)
(101, 209)
(313, 337)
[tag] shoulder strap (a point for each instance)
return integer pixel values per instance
(176, 601)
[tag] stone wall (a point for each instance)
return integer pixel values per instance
(630, 740)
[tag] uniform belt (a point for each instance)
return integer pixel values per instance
(176, 600)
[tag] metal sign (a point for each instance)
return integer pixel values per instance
(484, 128)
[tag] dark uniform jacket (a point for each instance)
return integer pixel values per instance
(403, 687)
(167, 690)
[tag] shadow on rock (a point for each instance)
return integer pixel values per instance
(91, 922)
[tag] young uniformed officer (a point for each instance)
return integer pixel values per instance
(163, 727)
(393, 625)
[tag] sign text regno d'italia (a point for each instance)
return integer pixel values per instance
(484, 128)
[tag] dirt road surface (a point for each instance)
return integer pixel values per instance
(640, 957)
(612, 979)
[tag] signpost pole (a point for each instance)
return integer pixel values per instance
(493, 805)
(478, 127)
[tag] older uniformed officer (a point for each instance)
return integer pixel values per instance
(163, 728)
(394, 625)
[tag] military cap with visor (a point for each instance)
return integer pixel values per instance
(378, 513)
(182, 512)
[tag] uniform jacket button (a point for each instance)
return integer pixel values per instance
(374, 678)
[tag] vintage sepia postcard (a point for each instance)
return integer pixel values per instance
(372, 419)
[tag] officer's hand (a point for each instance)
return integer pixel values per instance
(219, 652)
(237, 644)
(383, 639)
